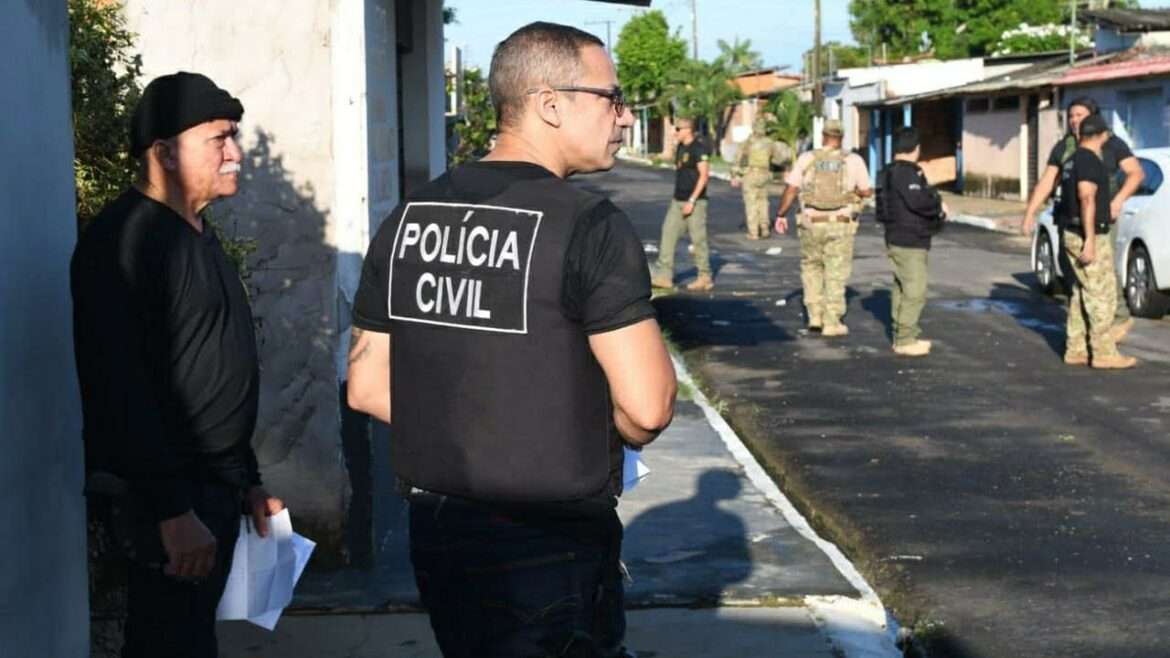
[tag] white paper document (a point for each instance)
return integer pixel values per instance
(264, 572)
(633, 470)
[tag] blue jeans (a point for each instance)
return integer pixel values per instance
(499, 586)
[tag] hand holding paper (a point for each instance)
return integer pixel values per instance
(264, 572)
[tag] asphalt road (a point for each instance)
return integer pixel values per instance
(1002, 503)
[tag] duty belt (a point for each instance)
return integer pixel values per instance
(844, 219)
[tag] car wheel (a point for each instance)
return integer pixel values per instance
(1141, 293)
(1045, 260)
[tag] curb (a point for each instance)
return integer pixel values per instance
(857, 627)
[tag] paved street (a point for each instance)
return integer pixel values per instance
(1002, 503)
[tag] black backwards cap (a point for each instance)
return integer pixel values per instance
(1093, 125)
(173, 103)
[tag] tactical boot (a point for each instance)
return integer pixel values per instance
(752, 236)
(661, 281)
(1119, 331)
(917, 348)
(833, 330)
(701, 284)
(814, 321)
(1114, 362)
(1076, 358)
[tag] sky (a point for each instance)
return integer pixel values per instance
(780, 30)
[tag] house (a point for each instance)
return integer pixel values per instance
(757, 88)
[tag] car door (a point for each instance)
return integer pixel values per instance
(1144, 218)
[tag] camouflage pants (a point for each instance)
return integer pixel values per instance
(755, 201)
(1093, 300)
(826, 261)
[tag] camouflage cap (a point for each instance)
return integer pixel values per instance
(833, 127)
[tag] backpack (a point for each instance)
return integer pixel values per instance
(826, 181)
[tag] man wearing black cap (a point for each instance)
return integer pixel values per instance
(167, 363)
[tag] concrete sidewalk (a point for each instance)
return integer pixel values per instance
(721, 563)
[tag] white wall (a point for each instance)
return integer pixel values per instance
(919, 78)
(278, 59)
(43, 587)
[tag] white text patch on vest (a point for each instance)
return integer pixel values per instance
(462, 265)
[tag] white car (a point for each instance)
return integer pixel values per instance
(1141, 247)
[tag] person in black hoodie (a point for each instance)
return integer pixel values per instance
(912, 212)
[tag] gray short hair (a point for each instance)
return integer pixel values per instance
(536, 54)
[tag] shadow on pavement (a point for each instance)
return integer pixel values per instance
(728, 322)
(880, 306)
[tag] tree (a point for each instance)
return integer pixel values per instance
(949, 29)
(738, 57)
(105, 75)
(478, 123)
(1039, 39)
(647, 52)
(701, 90)
(791, 118)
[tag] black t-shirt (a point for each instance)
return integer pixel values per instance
(686, 164)
(606, 282)
(166, 353)
(1083, 166)
(1112, 153)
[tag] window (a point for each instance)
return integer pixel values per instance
(1004, 103)
(1152, 181)
(978, 105)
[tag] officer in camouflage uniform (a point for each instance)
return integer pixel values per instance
(753, 166)
(831, 182)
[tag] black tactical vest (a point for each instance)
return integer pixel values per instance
(496, 394)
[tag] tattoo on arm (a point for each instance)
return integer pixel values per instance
(359, 346)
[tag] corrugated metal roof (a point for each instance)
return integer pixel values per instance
(1135, 67)
(1130, 20)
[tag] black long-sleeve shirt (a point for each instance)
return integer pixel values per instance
(909, 207)
(166, 354)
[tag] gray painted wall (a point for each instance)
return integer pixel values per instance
(43, 595)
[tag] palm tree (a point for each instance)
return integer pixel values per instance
(738, 56)
(791, 118)
(701, 90)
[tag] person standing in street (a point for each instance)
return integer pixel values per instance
(912, 211)
(503, 323)
(829, 181)
(168, 368)
(1119, 161)
(687, 211)
(1084, 217)
(754, 168)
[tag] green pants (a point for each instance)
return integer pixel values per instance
(755, 201)
(909, 291)
(1094, 298)
(673, 227)
(826, 261)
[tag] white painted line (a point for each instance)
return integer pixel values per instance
(861, 628)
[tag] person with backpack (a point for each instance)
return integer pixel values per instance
(912, 211)
(830, 182)
(1117, 157)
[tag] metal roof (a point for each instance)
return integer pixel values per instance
(1130, 20)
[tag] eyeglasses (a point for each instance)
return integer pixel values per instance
(616, 98)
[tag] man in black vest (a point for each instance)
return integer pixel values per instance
(1117, 157)
(166, 358)
(504, 316)
(1084, 218)
(912, 212)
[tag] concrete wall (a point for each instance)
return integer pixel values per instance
(991, 152)
(1150, 128)
(424, 98)
(910, 79)
(43, 595)
(288, 204)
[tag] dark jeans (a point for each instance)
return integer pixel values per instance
(501, 586)
(168, 617)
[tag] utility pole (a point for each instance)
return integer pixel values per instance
(1072, 34)
(695, 28)
(818, 101)
(607, 24)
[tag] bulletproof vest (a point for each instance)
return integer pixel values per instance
(759, 152)
(496, 395)
(1070, 147)
(1065, 212)
(826, 179)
